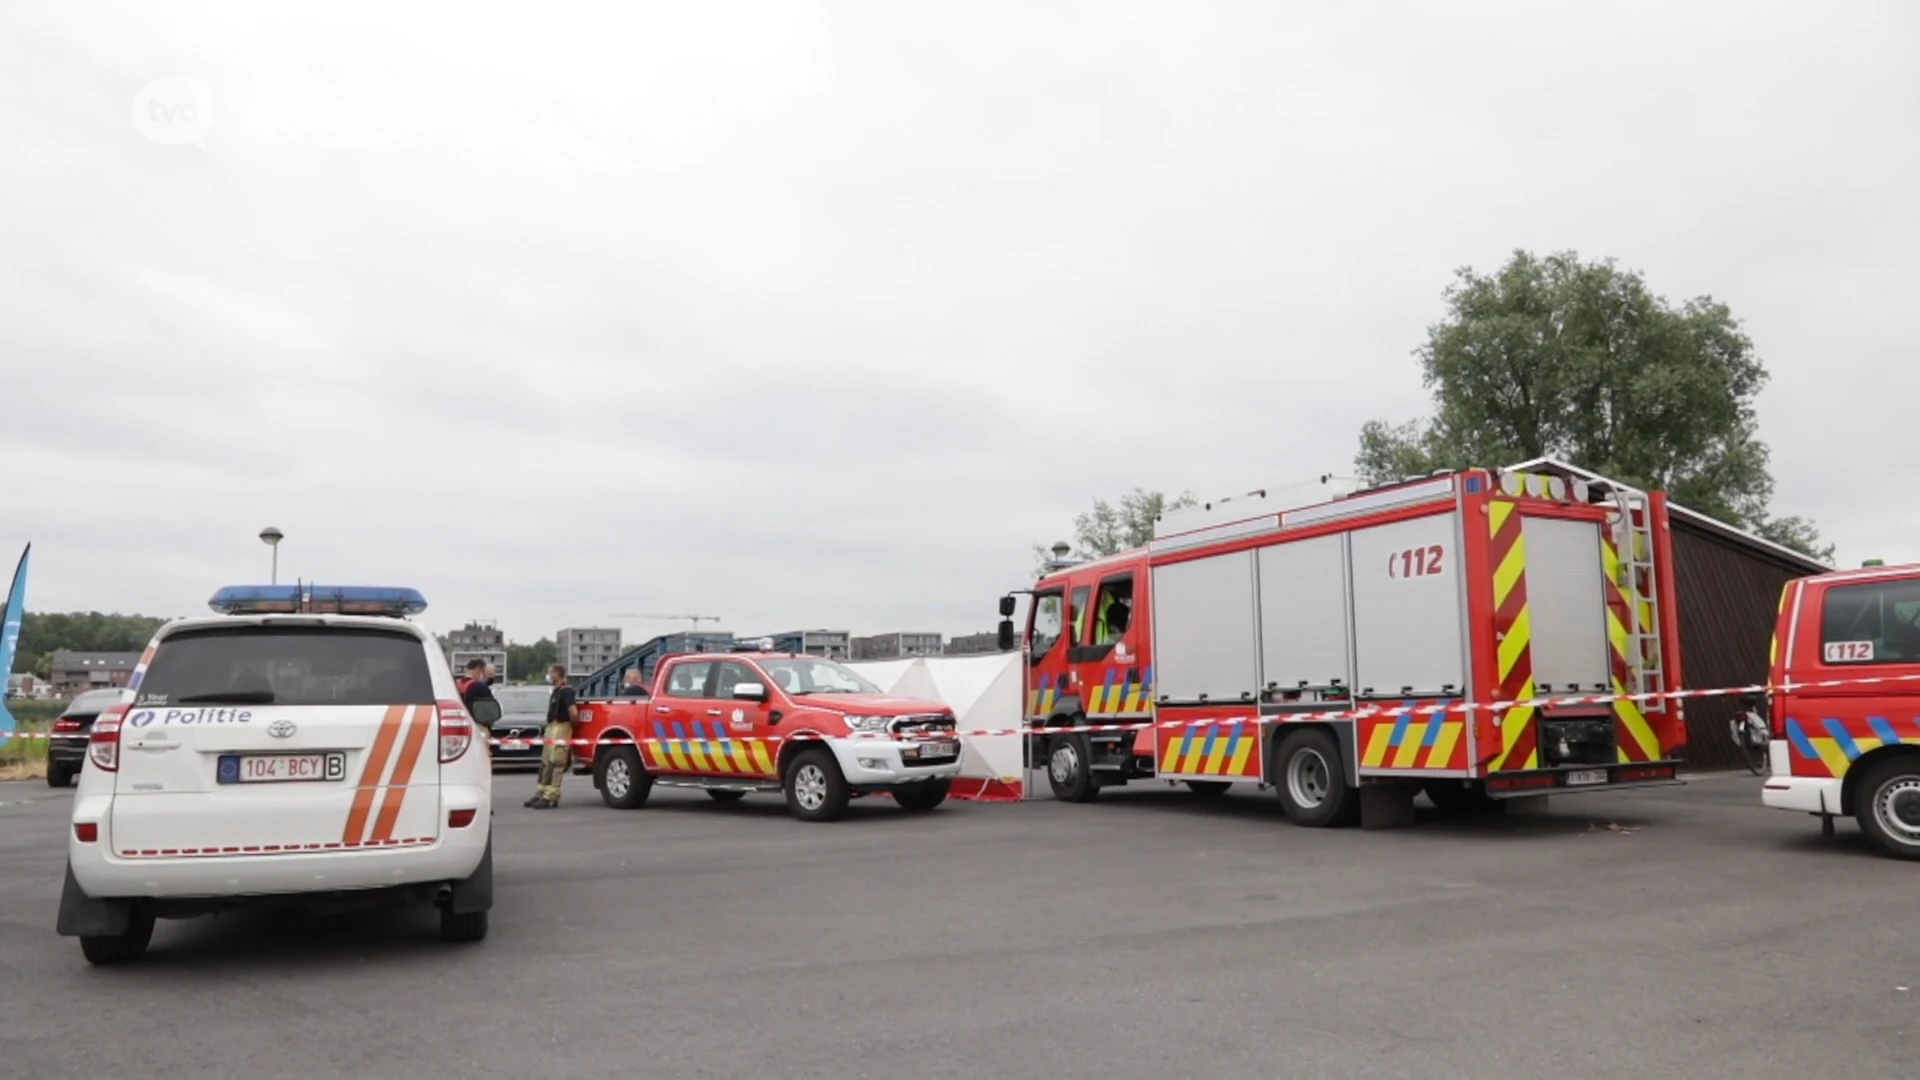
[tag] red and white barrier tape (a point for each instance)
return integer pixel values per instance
(1287, 717)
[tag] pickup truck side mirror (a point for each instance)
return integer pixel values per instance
(749, 691)
(1006, 606)
(486, 711)
(1005, 640)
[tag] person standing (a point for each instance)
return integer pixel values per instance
(478, 686)
(557, 755)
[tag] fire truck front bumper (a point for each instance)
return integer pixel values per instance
(886, 763)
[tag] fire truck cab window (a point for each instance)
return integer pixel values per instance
(1046, 623)
(1880, 621)
(1114, 612)
(1077, 611)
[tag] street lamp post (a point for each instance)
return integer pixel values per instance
(271, 537)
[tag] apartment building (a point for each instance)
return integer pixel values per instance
(899, 645)
(482, 640)
(585, 650)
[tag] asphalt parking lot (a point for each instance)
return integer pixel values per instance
(1151, 935)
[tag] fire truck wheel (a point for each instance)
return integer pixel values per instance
(815, 789)
(1067, 772)
(1887, 805)
(1313, 787)
(1209, 788)
(624, 783)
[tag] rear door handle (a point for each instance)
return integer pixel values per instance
(713, 712)
(156, 744)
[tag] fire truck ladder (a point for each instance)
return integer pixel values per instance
(1633, 538)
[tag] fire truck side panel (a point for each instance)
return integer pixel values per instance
(1305, 636)
(1210, 745)
(1205, 641)
(1408, 627)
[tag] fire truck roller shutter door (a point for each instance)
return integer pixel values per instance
(1204, 635)
(1407, 622)
(1303, 613)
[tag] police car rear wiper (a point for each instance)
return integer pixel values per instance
(229, 697)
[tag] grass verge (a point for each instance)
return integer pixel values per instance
(24, 759)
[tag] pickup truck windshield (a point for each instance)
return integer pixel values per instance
(816, 677)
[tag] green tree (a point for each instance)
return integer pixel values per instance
(1581, 361)
(528, 663)
(1108, 528)
(42, 633)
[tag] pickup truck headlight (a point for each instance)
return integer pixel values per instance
(868, 723)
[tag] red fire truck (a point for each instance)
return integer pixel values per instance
(1350, 653)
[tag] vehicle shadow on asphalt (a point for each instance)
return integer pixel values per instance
(276, 938)
(1555, 822)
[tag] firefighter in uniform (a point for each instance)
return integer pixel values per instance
(556, 757)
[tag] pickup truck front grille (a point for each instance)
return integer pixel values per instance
(923, 724)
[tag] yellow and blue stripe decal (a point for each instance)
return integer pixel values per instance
(1409, 740)
(716, 754)
(1830, 754)
(1222, 749)
(1121, 692)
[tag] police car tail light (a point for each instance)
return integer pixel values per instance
(456, 730)
(103, 744)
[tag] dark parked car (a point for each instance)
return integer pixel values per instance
(67, 750)
(523, 715)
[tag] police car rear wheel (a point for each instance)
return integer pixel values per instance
(623, 782)
(462, 926)
(815, 789)
(1888, 806)
(124, 947)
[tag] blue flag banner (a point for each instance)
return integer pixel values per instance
(10, 637)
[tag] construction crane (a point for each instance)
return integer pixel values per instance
(696, 620)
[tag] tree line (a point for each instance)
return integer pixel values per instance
(43, 633)
(1555, 356)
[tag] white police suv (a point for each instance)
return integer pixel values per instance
(308, 741)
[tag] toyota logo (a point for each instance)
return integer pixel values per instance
(281, 729)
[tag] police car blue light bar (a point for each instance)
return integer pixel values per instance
(317, 600)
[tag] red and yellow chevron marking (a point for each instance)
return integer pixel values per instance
(1635, 737)
(1411, 740)
(1513, 632)
(1226, 748)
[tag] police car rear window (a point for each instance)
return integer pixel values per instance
(305, 665)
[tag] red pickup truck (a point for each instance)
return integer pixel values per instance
(738, 723)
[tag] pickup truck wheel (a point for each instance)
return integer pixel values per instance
(1067, 771)
(1887, 806)
(815, 789)
(923, 796)
(59, 774)
(724, 795)
(1313, 786)
(1210, 789)
(624, 783)
(462, 926)
(125, 947)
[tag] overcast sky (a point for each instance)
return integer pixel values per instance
(821, 314)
